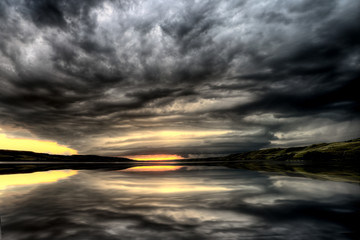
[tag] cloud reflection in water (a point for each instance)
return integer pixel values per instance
(190, 203)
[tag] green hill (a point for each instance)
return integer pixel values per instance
(337, 151)
(338, 161)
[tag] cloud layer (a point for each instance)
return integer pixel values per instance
(181, 77)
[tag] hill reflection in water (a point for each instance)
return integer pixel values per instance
(184, 203)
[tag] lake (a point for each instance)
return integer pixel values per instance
(175, 202)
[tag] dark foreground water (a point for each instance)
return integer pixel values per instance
(179, 203)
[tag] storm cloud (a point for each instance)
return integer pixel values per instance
(183, 77)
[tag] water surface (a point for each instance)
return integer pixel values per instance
(175, 202)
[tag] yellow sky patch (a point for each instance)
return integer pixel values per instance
(33, 145)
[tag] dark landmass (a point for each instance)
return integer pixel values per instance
(29, 168)
(27, 156)
(337, 161)
(27, 162)
(324, 152)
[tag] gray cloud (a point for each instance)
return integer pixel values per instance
(79, 72)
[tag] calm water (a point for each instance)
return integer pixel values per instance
(175, 203)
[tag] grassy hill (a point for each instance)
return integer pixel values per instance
(337, 151)
(338, 161)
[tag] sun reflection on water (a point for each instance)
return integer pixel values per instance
(152, 169)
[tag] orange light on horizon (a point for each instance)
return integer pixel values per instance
(156, 157)
(152, 169)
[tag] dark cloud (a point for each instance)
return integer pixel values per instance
(77, 70)
(58, 13)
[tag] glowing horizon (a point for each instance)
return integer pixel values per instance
(39, 146)
(155, 157)
(152, 168)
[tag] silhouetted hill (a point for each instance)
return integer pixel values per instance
(337, 151)
(337, 161)
(26, 156)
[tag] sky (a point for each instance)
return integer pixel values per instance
(187, 78)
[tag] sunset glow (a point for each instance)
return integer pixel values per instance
(153, 169)
(193, 78)
(33, 145)
(157, 157)
(179, 119)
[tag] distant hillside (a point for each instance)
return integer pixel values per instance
(26, 156)
(337, 151)
(338, 161)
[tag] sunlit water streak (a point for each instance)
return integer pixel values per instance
(176, 203)
(13, 180)
(159, 168)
